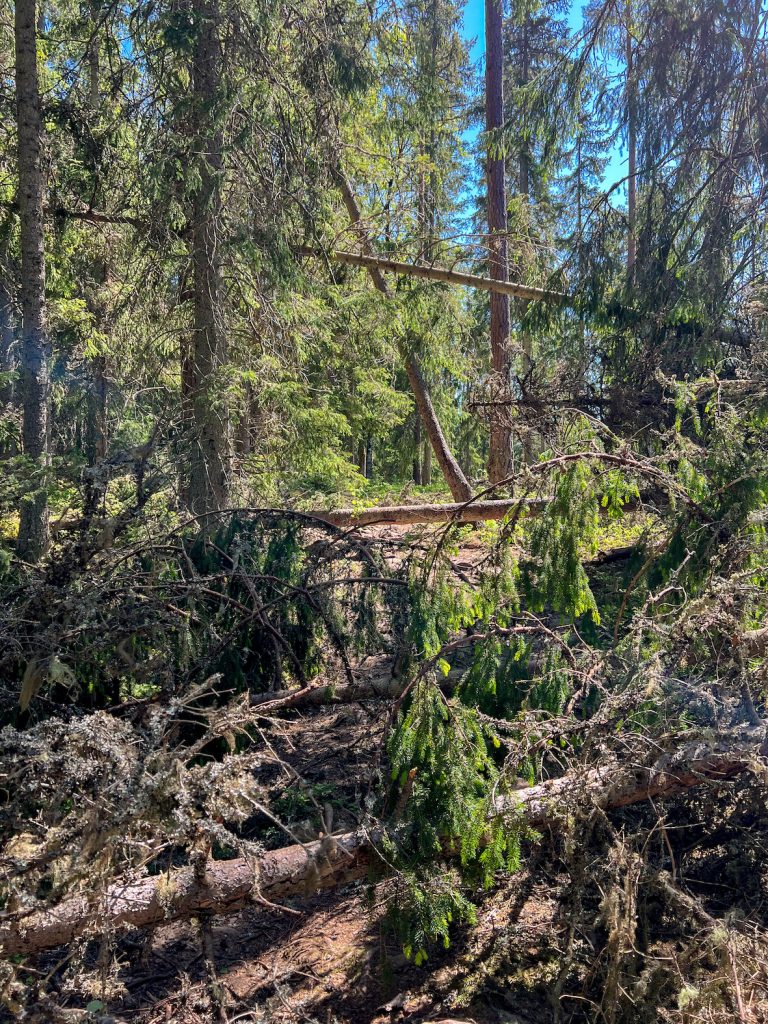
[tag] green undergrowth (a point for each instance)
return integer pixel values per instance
(535, 617)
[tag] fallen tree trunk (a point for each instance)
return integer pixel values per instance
(319, 694)
(442, 274)
(452, 512)
(754, 642)
(226, 886)
(406, 515)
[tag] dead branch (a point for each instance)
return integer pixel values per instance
(432, 273)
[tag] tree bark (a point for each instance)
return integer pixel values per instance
(454, 477)
(209, 478)
(500, 451)
(474, 512)
(333, 861)
(33, 526)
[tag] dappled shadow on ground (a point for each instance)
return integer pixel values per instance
(338, 961)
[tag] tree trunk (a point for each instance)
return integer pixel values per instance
(454, 477)
(94, 94)
(96, 429)
(33, 526)
(7, 359)
(417, 446)
(524, 166)
(333, 861)
(460, 512)
(500, 452)
(209, 478)
(426, 465)
(631, 100)
(474, 512)
(524, 189)
(369, 458)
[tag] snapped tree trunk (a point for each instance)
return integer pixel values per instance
(431, 272)
(301, 870)
(33, 526)
(209, 477)
(454, 477)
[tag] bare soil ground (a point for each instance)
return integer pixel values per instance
(338, 962)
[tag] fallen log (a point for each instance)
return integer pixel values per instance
(320, 694)
(226, 886)
(456, 512)
(754, 642)
(406, 515)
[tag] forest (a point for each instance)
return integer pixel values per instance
(383, 509)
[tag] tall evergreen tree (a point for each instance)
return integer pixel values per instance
(500, 448)
(33, 528)
(209, 479)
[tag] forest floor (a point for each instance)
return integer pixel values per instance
(331, 958)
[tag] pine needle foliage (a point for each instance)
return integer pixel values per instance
(553, 576)
(447, 780)
(252, 605)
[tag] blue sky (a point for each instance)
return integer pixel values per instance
(474, 29)
(474, 24)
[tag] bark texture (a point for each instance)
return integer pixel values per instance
(33, 526)
(500, 452)
(454, 476)
(209, 476)
(333, 861)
